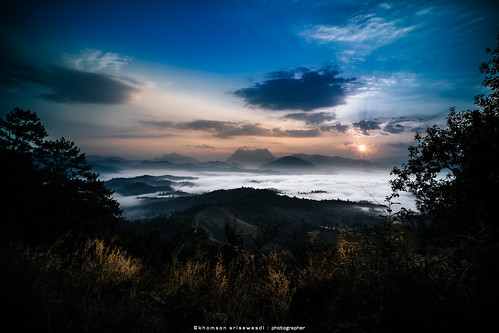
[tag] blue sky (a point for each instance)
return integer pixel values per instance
(203, 78)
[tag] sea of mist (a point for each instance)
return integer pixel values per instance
(350, 185)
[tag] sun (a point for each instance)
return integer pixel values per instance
(362, 148)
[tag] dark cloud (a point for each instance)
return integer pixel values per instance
(206, 125)
(312, 118)
(366, 125)
(412, 123)
(399, 145)
(418, 129)
(158, 123)
(137, 135)
(338, 127)
(309, 133)
(298, 89)
(205, 147)
(72, 86)
(15, 73)
(20, 68)
(227, 129)
(393, 127)
(224, 129)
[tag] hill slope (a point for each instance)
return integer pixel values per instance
(251, 157)
(252, 207)
(324, 161)
(176, 158)
(289, 164)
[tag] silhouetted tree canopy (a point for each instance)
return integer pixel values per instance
(48, 187)
(453, 171)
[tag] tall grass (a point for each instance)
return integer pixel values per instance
(368, 281)
(94, 287)
(251, 289)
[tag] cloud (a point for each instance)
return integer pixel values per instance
(298, 89)
(393, 127)
(361, 28)
(132, 135)
(224, 129)
(91, 60)
(309, 133)
(158, 123)
(400, 145)
(72, 86)
(338, 128)
(80, 83)
(366, 125)
(424, 11)
(312, 118)
(412, 122)
(204, 146)
(228, 129)
(362, 34)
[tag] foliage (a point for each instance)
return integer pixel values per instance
(49, 187)
(21, 131)
(453, 171)
(78, 285)
(374, 280)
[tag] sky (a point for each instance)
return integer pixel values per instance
(139, 79)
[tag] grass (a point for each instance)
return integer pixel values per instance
(368, 281)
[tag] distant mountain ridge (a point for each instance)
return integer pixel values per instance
(242, 160)
(176, 158)
(251, 157)
(335, 161)
(290, 164)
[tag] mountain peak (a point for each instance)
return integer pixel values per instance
(251, 157)
(289, 163)
(176, 158)
(327, 162)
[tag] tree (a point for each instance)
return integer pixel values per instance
(21, 131)
(453, 171)
(50, 188)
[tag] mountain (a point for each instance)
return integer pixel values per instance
(146, 184)
(107, 164)
(251, 157)
(214, 218)
(98, 158)
(176, 158)
(250, 209)
(323, 161)
(242, 160)
(158, 165)
(103, 168)
(289, 164)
